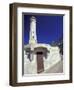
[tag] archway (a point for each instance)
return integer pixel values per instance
(40, 63)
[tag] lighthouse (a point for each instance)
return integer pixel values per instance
(32, 35)
(39, 57)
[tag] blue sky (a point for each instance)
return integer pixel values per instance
(48, 28)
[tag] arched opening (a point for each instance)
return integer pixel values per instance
(40, 63)
(40, 53)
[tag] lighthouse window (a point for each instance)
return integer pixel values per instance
(33, 36)
(33, 32)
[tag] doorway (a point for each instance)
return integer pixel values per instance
(40, 63)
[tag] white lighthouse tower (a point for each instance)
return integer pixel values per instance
(32, 36)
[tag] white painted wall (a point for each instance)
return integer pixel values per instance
(52, 58)
(30, 67)
(4, 46)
